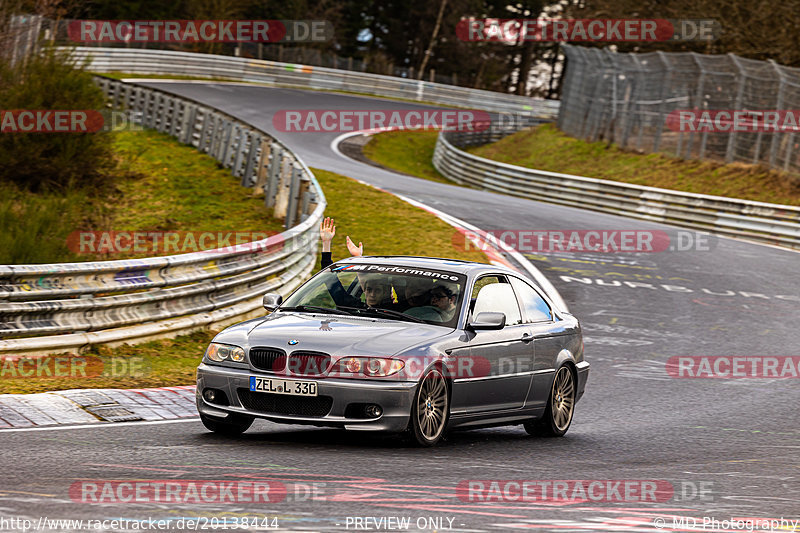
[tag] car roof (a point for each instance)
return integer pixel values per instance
(458, 266)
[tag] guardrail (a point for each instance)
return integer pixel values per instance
(139, 61)
(64, 307)
(758, 221)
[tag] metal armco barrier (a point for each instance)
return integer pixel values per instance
(139, 61)
(757, 221)
(67, 306)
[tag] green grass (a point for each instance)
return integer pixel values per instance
(384, 223)
(152, 364)
(179, 189)
(36, 227)
(158, 184)
(546, 148)
(407, 153)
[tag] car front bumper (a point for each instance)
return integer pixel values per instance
(395, 398)
(583, 376)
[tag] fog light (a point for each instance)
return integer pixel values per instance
(373, 411)
(210, 395)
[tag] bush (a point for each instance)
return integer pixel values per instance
(52, 80)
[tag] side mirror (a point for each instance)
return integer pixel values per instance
(487, 320)
(272, 300)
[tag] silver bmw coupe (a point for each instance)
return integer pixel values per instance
(409, 345)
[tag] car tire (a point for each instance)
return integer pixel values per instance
(232, 425)
(430, 410)
(560, 408)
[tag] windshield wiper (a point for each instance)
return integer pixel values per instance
(312, 308)
(390, 312)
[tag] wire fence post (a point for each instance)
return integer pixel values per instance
(773, 148)
(736, 106)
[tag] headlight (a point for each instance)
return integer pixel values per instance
(369, 366)
(224, 352)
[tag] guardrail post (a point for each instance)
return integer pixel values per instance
(303, 197)
(188, 125)
(144, 97)
(248, 179)
(283, 184)
(162, 113)
(203, 142)
(311, 202)
(262, 163)
(294, 198)
(216, 137)
(178, 109)
(127, 92)
(154, 110)
(238, 147)
(227, 142)
(117, 89)
(273, 175)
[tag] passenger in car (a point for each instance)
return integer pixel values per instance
(417, 292)
(441, 306)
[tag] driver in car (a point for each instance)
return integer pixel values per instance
(377, 292)
(443, 297)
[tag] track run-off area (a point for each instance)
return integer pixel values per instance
(723, 448)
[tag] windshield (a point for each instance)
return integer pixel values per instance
(415, 294)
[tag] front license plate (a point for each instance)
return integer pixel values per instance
(283, 386)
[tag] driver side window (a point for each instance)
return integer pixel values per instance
(494, 294)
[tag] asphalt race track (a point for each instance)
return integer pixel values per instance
(729, 448)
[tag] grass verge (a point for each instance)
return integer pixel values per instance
(158, 184)
(407, 152)
(546, 148)
(386, 225)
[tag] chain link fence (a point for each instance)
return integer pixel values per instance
(627, 98)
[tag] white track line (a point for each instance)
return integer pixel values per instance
(101, 425)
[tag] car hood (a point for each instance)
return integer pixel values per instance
(337, 335)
